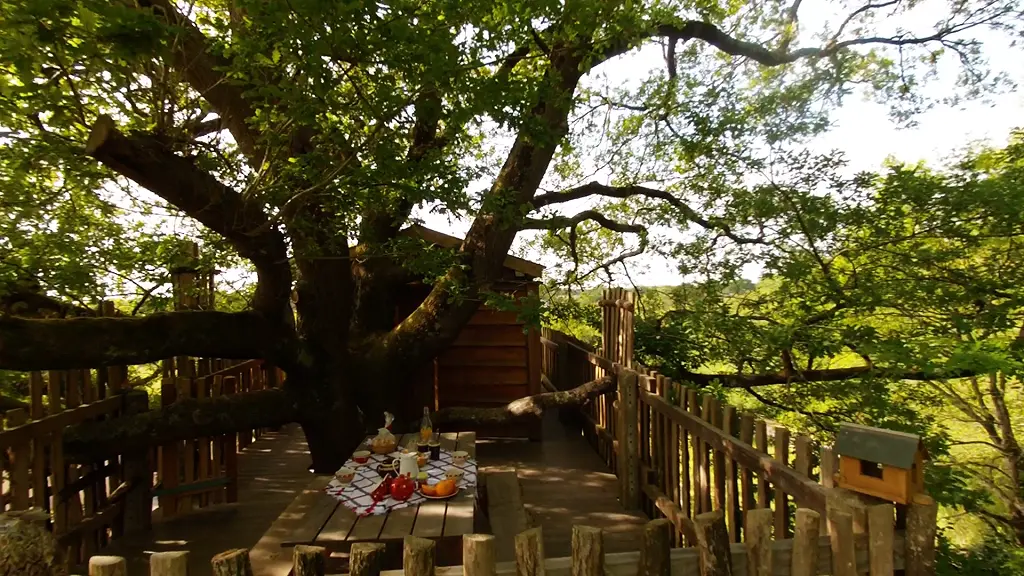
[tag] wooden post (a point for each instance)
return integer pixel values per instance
(529, 552)
(761, 443)
(880, 539)
(22, 453)
(781, 498)
(805, 543)
(921, 526)
(713, 541)
(828, 467)
(629, 440)
(232, 563)
(418, 556)
(840, 531)
(169, 563)
(478, 555)
(758, 534)
(587, 551)
(138, 503)
(655, 557)
(107, 566)
(309, 561)
(366, 558)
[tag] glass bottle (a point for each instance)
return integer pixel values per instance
(426, 428)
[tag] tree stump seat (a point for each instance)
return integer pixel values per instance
(506, 510)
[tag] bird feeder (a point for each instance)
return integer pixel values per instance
(881, 463)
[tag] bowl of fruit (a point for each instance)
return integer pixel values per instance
(444, 489)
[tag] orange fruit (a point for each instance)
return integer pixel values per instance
(428, 490)
(445, 487)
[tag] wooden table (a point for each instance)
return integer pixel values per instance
(317, 518)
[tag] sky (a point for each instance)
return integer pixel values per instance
(862, 131)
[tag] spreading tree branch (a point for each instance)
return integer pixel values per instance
(71, 343)
(598, 189)
(439, 318)
(204, 72)
(529, 407)
(827, 375)
(724, 42)
(145, 160)
(186, 418)
(559, 222)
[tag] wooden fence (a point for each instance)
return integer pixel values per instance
(90, 504)
(809, 553)
(680, 453)
(202, 472)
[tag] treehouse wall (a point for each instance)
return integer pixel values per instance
(493, 362)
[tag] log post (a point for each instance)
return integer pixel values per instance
(881, 520)
(530, 552)
(418, 556)
(366, 558)
(713, 542)
(479, 555)
(655, 552)
(805, 543)
(309, 561)
(138, 502)
(758, 532)
(587, 551)
(107, 566)
(232, 563)
(840, 531)
(169, 563)
(921, 526)
(629, 438)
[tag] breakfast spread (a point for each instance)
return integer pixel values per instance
(382, 482)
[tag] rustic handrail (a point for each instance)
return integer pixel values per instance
(808, 493)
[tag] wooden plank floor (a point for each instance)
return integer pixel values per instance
(272, 471)
(565, 483)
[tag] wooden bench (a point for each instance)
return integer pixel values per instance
(506, 511)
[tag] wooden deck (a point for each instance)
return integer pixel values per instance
(564, 483)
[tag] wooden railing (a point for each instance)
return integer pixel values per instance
(203, 472)
(86, 504)
(809, 553)
(91, 504)
(679, 452)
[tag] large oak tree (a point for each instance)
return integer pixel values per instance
(303, 135)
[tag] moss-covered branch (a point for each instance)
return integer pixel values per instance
(186, 419)
(70, 343)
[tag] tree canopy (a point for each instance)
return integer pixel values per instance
(298, 138)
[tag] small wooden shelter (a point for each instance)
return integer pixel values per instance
(881, 463)
(496, 358)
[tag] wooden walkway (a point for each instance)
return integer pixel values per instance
(563, 481)
(271, 472)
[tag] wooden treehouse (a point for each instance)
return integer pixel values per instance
(496, 358)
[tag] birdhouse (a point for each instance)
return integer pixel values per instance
(881, 463)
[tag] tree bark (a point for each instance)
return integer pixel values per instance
(529, 407)
(71, 343)
(188, 418)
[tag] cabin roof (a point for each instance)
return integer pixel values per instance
(531, 269)
(886, 447)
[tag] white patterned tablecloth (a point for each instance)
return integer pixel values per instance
(356, 495)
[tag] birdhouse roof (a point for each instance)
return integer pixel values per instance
(886, 447)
